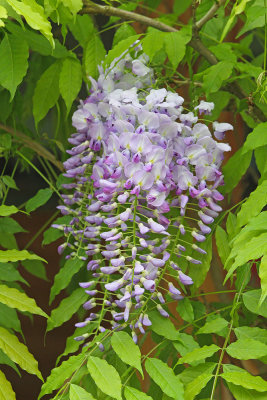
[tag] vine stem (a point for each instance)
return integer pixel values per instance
(237, 297)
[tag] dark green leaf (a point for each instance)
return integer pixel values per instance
(67, 308)
(9, 273)
(46, 92)
(41, 198)
(14, 55)
(9, 182)
(9, 318)
(36, 268)
(9, 225)
(70, 80)
(64, 276)
(82, 28)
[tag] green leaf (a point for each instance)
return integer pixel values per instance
(9, 318)
(9, 225)
(263, 277)
(199, 354)
(17, 255)
(5, 211)
(186, 344)
(38, 42)
(41, 198)
(185, 310)
(131, 393)
(175, 45)
(18, 352)
(163, 326)
(241, 393)
(260, 156)
(215, 75)
(127, 350)
(195, 387)
(4, 359)
(70, 80)
(254, 204)
(199, 274)
(9, 273)
(36, 268)
(60, 374)
(73, 5)
(105, 377)
(224, 52)
(34, 16)
(247, 332)
(257, 138)
(222, 243)
(251, 300)
(67, 308)
(245, 380)
(82, 28)
(191, 373)
(253, 250)
(9, 182)
(120, 48)
(46, 92)
(78, 393)
(93, 55)
(5, 138)
(14, 55)
(64, 276)
(214, 326)
(153, 42)
(8, 241)
(246, 349)
(6, 391)
(122, 33)
(15, 299)
(258, 223)
(164, 376)
(179, 7)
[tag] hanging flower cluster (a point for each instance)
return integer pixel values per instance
(137, 163)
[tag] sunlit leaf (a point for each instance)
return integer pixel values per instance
(6, 391)
(18, 352)
(105, 376)
(127, 350)
(246, 380)
(78, 393)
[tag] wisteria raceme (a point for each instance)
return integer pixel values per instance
(138, 162)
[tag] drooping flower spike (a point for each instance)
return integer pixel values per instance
(136, 157)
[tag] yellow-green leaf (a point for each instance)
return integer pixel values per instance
(18, 352)
(5, 211)
(34, 16)
(199, 354)
(18, 255)
(15, 299)
(246, 380)
(6, 391)
(105, 377)
(78, 393)
(93, 55)
(263, 278)
(127, 350)
(195, 387)
(131, 393)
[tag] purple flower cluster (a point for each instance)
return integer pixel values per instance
(137, 162)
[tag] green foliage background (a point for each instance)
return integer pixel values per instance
(48, 49)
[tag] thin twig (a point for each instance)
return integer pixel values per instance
(210, 14)
(38, 148)
(195, 43)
